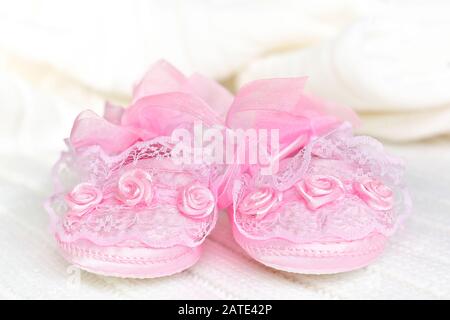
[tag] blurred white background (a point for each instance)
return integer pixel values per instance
(389, 60)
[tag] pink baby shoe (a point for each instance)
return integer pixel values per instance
(122, 206)
(335, 199)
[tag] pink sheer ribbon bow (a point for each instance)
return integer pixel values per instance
(163, 100)
(282, 104)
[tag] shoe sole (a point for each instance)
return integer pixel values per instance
(313, 258)
(129, 262)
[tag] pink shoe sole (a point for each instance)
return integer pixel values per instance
(129, 262)
(313, 258)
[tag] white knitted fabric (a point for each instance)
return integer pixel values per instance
(32, 124)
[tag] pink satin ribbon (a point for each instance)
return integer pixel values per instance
(165, 99)
(282, 104)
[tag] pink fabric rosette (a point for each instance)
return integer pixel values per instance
(375, 193)
(196, 201)
(82, 198)
(259, 202)
(319, 190)
(134, 187)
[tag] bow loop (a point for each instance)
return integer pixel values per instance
(282, 104)
(162, 101)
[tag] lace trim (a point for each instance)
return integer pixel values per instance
(341, 155)
(159, 225)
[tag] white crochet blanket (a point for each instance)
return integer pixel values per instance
(415, 265)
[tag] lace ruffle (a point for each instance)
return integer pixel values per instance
(157, 225)
(346, 157)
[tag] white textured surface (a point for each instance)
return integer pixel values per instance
(415, 265)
